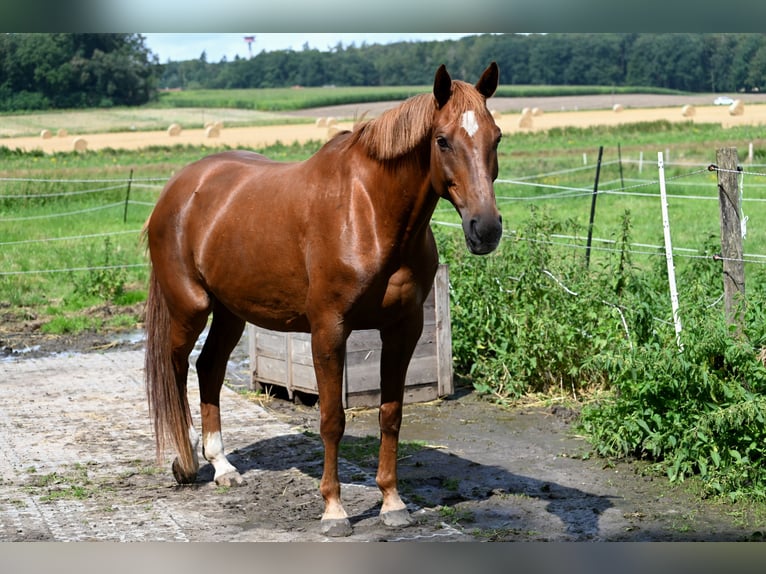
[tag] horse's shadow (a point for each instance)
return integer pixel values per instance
(428, 477)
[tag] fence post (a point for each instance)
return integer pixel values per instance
(619, 157)
(593, 207)
(127, 198)
(731, 238)
(669, 251)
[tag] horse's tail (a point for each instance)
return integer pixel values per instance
(168, 406)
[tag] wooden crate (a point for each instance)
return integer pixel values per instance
(284, 359)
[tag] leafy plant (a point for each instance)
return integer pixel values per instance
(531, 319)
(103, 279)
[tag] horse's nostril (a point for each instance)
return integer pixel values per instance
(473, 227)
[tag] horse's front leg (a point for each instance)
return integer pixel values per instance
(398, 345)
(328, 345)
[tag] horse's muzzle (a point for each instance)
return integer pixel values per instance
(482, 234)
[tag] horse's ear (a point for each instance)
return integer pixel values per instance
(487, 84)
(442, 86)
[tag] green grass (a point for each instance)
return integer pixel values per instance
(285, 99)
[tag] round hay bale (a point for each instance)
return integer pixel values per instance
(525, 121)
(617, 108)
(174, 130)
(737, 108)
(218, 125)
(46, 134)
(212, 132)
(537, 112)
(495, 114)
(79, 144)
(688, 111)
(526, 111)
(62, 133)
(321, 122)
(207, 124)
(332, 131)
(331, 121)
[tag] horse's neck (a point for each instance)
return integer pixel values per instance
(410, 198)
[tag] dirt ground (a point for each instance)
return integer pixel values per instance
(78, 452)
(78, 465)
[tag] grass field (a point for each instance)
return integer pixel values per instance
(135, 119)
(296, 98)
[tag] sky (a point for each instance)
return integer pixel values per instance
(179, 47)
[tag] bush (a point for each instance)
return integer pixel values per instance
(528, 320)
(554, 315)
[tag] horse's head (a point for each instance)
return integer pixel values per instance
(464, 155)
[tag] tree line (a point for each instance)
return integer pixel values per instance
(65, 70)
(688, 62)
(39, 71)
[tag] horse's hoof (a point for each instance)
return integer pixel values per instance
(180, 477)
(396, 518)
(232, 478)
(336, 527)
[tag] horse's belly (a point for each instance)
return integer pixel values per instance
(270, 304)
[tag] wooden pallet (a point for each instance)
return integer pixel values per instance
(284, 359)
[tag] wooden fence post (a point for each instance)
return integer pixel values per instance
(731, 238)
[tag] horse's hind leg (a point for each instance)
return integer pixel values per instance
(225, 331)
(183, 336)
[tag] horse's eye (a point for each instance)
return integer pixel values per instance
(442, 142)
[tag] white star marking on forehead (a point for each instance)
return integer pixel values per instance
(469, 123)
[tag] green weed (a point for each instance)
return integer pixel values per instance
(71, 324)
(455, 514)
(73, 483)
(363, 451)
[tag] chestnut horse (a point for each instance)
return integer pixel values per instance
(338, 242)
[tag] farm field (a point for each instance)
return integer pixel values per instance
(151, 127)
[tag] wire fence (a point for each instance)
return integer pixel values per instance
(536, 190)
(28, 205)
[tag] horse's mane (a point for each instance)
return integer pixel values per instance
(399, 130)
